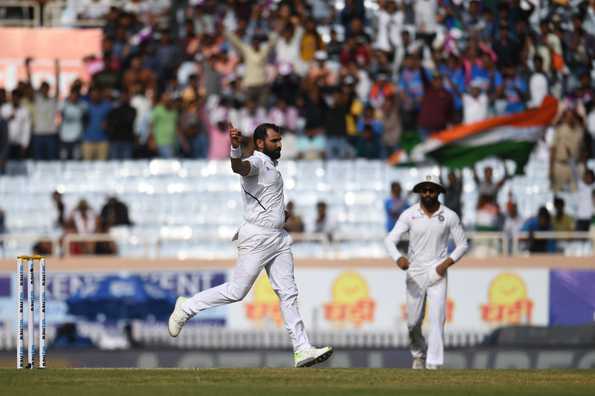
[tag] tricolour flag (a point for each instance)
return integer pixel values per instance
(511, 136)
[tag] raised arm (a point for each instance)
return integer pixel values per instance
(28, 61)
(391, 240)
(57, 76)
(238, 166)
(235, 41)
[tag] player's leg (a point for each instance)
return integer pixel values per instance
(436, 313)
(416, 301)
(281, 276)
(243, 277)
(280, 272)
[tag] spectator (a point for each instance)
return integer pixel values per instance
(322, 223)
(538, 83)
(565, 152)
(391, 120)
(368, 145)
(73, 117)
(584, 193)
(381, 88)
(114, 213)
(394, 205)
(44, 138)
(4, 144)
(311, 145)
(95, 144)
(311, 42)
(43, 247)
(19, 126)
(60, 208)
(287, 48)
(487, 215)
(426, 12)
(487, 187)
(84, 220)
(437, 106)
(2, 228)
(513, 225)
(591, 128)
(164, 124)
(120, 129)
(284, 115)
(475, 104)
(390, 24)
(454, 191)
(507, 48)
(104, 246)
(514, 93)
(138, 75)
(293, 222)
(335, 126)
(411, 88)
(219, 142)
(541, 222)
(255, 56)
(142, 122)
(562, 221)
(194, 138)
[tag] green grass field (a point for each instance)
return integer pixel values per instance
(268, 382)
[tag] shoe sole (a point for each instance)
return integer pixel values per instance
(317, 360)
(171, 319)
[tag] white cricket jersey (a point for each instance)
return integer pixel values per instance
(428, 237)
(262, 192)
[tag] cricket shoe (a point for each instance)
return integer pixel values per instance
(312, 356)
(419, 363)
(431, 366)
(178, 318)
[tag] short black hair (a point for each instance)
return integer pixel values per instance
(261, 131)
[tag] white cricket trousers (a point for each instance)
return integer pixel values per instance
(259, 248)
(421, 286)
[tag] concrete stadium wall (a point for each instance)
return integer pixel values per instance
(91, 263)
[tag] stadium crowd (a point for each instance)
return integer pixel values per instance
(348, 82)
(349, 79)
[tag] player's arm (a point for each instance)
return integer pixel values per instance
(458, 235)
(391, 240)
(237, 164)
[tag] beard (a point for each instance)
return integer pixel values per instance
(429, 202)
(273, 154)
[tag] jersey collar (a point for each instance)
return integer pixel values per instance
(435, 214)
(265, 157)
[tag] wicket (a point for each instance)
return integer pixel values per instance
(31, 311)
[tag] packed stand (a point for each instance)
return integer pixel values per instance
(343, 81)
(349, 82)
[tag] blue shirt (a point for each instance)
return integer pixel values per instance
(532, 225)
(514, 102)
(95, 132)
(394, 211)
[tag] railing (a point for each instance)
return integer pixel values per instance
(31, 15)
(482, 244)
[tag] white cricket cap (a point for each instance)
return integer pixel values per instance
(429, 179)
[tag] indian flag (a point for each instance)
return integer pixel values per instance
(511, 136)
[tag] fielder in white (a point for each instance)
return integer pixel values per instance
(262, 243)
(429, 225)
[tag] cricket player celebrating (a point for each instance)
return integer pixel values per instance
(429, 225)
(262, 243)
